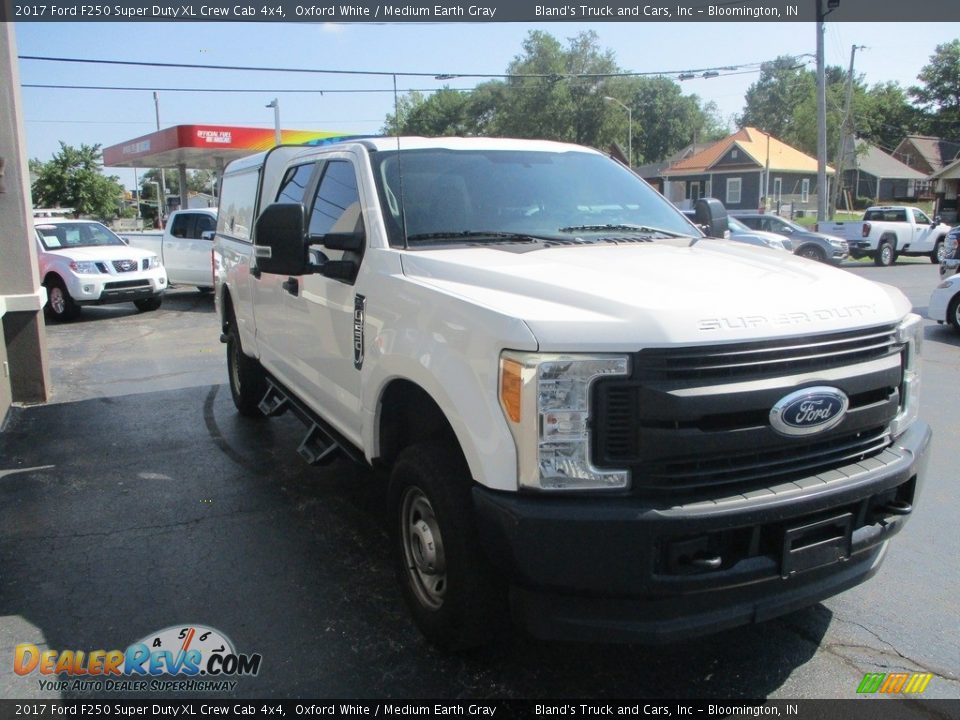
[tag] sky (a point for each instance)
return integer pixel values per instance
(895, 52)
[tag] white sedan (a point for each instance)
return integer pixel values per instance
(945, 302)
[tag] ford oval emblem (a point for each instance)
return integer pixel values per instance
(809, 411)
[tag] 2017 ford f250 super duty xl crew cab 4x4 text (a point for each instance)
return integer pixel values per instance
(589, 413)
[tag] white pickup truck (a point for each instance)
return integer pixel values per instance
(186, 246)
(887, 231)
(584, 411)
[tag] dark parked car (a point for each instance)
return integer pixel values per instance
(806, 243)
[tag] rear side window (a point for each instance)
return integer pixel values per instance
(294, 185)
(238, 200)
(181, 225)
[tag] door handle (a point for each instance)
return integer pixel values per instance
(292, 286)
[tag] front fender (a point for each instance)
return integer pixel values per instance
(450, 348)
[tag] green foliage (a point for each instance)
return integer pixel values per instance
(939, 93)
(72, 178)
(556, 92)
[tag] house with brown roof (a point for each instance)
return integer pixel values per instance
(745, 171)
(926, 154)
(946, 187)
(873, 174)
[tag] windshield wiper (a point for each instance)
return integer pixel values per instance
(621, 228)
(476, 236)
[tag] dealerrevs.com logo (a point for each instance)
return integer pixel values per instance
(187, 658)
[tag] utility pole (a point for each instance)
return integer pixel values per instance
(821, 121)
(822, 188)
(844, 133)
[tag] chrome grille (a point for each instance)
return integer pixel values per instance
(122, 266)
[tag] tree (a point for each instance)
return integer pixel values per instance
(73, 178)
(783, 86)
(939, 94)
(557, 92)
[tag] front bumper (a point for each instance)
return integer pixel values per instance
(615, 568)
(109, 288)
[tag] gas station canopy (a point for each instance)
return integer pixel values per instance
(202, 147)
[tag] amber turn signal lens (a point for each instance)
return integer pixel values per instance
(511, 385)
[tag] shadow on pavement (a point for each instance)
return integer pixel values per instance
(131, 514)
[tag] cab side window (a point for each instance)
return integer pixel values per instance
(336, 207)
(205, 223)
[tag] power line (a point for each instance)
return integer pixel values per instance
(384, 73)
(230, 90)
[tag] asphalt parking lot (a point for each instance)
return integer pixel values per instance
(137, 499)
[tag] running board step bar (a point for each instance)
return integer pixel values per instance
(322, 444)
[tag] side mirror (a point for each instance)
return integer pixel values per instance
(936, 221)
(280, 246)
(711, 214)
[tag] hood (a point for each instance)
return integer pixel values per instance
(623, 297)
(101, 252)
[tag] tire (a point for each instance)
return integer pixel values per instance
(939, 253)
(60, 306)
(148, 304)
(886, 254)
(248, 383)
(456, 599)
(953, 313)
(812, 252)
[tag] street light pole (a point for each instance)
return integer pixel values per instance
(629, 128)
(821, 121)
(161, 206)
(275, 104)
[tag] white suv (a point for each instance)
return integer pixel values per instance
(84, 263)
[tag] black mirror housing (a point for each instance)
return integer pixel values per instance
(711, 214)
(281, 240)
(348, 241)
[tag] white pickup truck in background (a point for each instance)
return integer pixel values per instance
(186, 253)
(887, 231)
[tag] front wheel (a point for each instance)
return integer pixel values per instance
(60, 306)
(886, 255)
(148, 304)
(812, 252)
(248, 382)
(456, 599)
(953, 313)
(939, 253)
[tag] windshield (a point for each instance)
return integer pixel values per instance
(469, 193)
(55, 236)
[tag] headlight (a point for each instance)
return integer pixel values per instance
(85, 267)
(151, 262)
(839, 244)
(910, 336)
(769, 242)
(950, 246)
(546, 400)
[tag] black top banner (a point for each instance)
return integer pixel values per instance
(359, 11)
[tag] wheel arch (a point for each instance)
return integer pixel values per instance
(407, 415)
